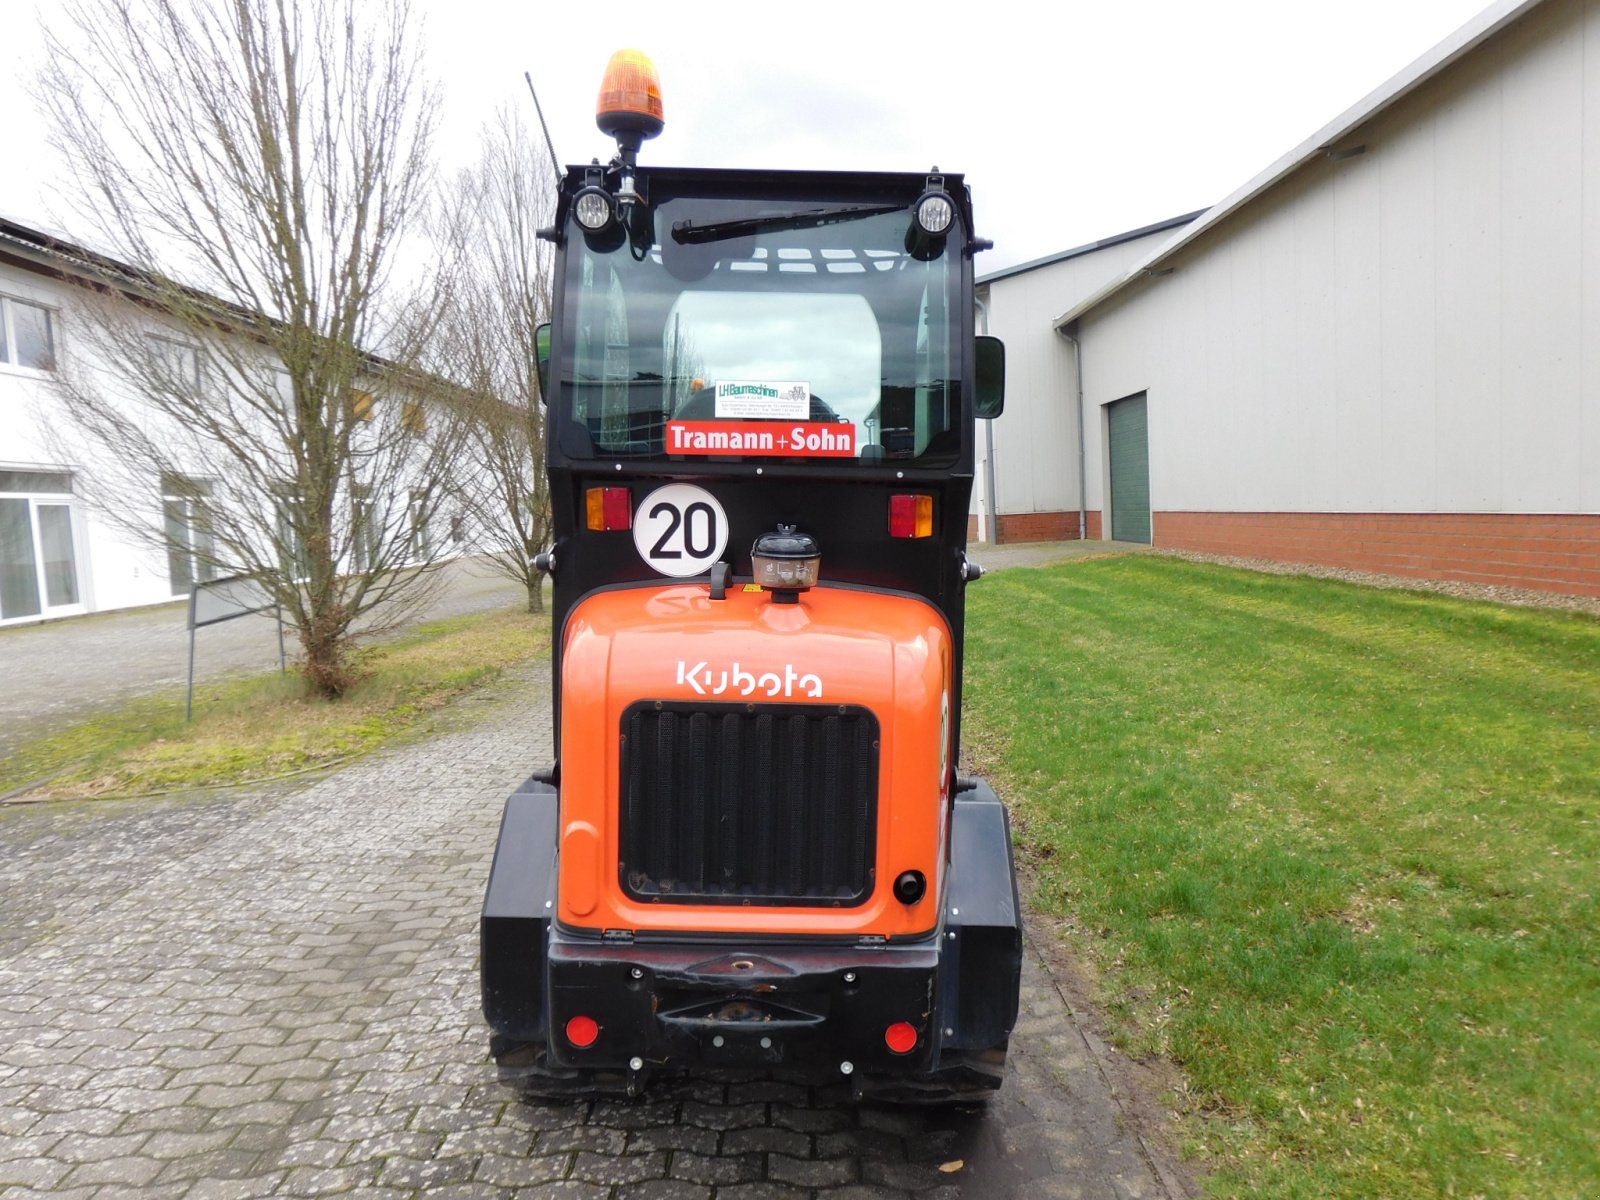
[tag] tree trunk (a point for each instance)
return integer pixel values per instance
(536, 594)
(326, 647)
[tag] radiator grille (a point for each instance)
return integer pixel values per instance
(769, 804)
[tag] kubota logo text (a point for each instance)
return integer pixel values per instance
(709, 681)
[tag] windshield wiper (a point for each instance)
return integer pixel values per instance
(687, 233)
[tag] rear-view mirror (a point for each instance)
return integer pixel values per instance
(541, 351)
(989, 382)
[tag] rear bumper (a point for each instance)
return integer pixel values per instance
(805, 1009)
(800, 1009)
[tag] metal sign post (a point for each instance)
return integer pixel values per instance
(219, 600)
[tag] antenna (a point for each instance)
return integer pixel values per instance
(555, 163)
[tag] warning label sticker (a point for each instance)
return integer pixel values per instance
(800, 439)
(744, 398)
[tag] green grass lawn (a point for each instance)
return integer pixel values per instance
(248, 729)
(1333, 850)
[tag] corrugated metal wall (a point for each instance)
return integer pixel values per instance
(1412, 329)
(1036, 441)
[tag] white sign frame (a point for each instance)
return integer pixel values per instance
(680, 530)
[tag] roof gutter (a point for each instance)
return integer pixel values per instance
(1083, 482)
(1116, 239)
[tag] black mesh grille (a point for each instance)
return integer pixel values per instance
(734, 803)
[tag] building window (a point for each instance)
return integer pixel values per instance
(364, 531)
(289, 509)
(27, 335)
(176, 365)
(38, 565)
(418, 510)
(185, 509)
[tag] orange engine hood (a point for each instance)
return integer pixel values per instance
(887, 653)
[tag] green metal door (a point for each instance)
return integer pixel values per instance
(1130, 469)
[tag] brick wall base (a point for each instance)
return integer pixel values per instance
(1549, 552)
(1038, 527)
(1092, 522)
(1032, 527)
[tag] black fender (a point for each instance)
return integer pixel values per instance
(514, 930)
(980, 964)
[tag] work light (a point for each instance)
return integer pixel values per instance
(592, 207)
(934, 213)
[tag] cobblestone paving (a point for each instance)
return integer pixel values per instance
(275, 993)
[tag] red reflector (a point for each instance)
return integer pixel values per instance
(582, 1031)
(619, 509)
(902, 516)
(609, 508)
(900, 1037)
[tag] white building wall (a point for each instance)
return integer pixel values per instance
(1035, 440)
(1414, 329)
(112, 571)
(114, 567)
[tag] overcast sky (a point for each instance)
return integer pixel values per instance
(1071, 121)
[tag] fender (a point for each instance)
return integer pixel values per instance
(514, 929)
(980, 970)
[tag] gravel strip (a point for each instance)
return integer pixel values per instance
(1524, 597)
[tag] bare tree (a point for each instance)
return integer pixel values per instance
(260, 166)
(486, 343)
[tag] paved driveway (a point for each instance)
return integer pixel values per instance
(275, 993)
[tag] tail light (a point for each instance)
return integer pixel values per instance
(901, 1037)
(910, 516)
(609, 508)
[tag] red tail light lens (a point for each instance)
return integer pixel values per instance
(609, 508)
(900, 1037)
(910, 516)
(582, 1031)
